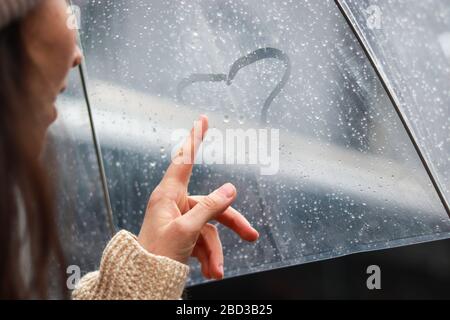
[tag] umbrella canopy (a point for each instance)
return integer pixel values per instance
(347, 175)
(409, 44)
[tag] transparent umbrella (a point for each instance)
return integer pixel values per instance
(358, 126)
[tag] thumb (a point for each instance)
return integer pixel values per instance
(210, 206)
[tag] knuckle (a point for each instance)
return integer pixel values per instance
(209, 203)
(163, 192)
(212, 228)
(234, 220)
(180, 227)
(157, 194)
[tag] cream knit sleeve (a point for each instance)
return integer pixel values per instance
(128, 271)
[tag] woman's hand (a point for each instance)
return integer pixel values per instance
(177, 225)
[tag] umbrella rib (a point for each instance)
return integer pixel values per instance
(395, 103)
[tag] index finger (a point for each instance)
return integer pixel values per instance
(181, 166)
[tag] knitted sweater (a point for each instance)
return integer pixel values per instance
(127, 271)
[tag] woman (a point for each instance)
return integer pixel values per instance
(37, 50)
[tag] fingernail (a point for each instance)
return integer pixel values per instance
(221, 270)
(228, 190)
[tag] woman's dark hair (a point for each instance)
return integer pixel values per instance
(29, 242)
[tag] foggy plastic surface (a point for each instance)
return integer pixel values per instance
(410, 42)
(349, 178)
(73, 163)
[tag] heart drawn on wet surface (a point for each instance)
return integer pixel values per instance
(257, 55)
